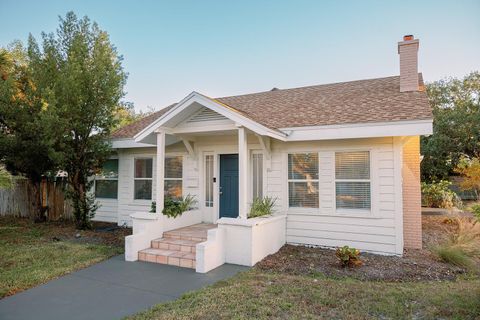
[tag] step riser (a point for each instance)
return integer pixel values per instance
(173, 247)
(174, 261)
(180, 237)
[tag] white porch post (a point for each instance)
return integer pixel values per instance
(243, 173)
(160, 170)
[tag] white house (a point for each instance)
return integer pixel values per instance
(341, 159)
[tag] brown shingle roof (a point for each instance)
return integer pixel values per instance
(362, 101)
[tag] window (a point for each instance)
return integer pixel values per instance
(257, 175)
(352, 180)
(173, 177)
(209, 180)
(303, 180)
(143, 179)
(106, 182)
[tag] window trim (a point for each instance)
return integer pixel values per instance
(151, 179)
(350, 211)
(302, 209)
(96, 178)
(205, 181)
(263, 186)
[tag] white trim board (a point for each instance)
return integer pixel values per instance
(360, 130)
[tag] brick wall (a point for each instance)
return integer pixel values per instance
(412, 210)
(408, 51)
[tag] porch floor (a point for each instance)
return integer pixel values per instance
(196, 232)
(177, 247)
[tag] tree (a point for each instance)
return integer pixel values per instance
(470, 170)
(6, 179)
(27, 130)
(456, 125)
(81, 76)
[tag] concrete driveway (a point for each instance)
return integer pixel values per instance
(108, 290)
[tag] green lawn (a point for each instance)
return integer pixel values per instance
(263, 295)
(30, 256)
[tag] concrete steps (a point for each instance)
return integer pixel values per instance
(177, 247)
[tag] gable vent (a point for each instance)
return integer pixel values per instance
(206, 115)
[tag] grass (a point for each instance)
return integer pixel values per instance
(262, 295)
(29, 256)
(462, 248)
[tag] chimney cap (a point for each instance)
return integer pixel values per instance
(408, 37)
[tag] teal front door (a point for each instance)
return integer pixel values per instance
(229, 185)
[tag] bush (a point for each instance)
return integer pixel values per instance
(476, 211)
(438, 195)
(262, 207)
(463, 244)
(349, 257)
(174, 208)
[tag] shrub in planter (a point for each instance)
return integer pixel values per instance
(349, 257)
(262, 207)
(173, 208)
(438, 195)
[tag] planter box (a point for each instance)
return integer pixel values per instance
(248, 241)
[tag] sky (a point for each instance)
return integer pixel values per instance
(223, 48)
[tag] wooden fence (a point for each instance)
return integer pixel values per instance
(19, 201)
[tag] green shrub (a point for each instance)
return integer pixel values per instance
(262, 207)
(349, 257)
(173, 208)
(6, 179)
(153, 207)
(476, 211)
(438, 195)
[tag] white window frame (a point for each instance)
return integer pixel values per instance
(135, 179)
(101, 178)
(302, 209)
(347, 211)
(175, 179)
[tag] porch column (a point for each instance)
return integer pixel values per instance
(242, 173)
(160, 170)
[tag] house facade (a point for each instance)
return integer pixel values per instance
(342, 162)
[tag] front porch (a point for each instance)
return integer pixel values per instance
(220, 159)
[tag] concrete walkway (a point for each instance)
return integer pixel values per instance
(108, 290)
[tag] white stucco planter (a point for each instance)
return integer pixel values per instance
(248, 241)
(146, 226)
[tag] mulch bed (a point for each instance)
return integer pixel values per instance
(102, 233)
(413, 266)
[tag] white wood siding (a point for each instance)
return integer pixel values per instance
(107, 211)
(379, 230)
(326, 226)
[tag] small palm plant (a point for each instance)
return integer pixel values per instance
(262, 207)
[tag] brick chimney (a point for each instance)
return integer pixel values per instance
(408, 51)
